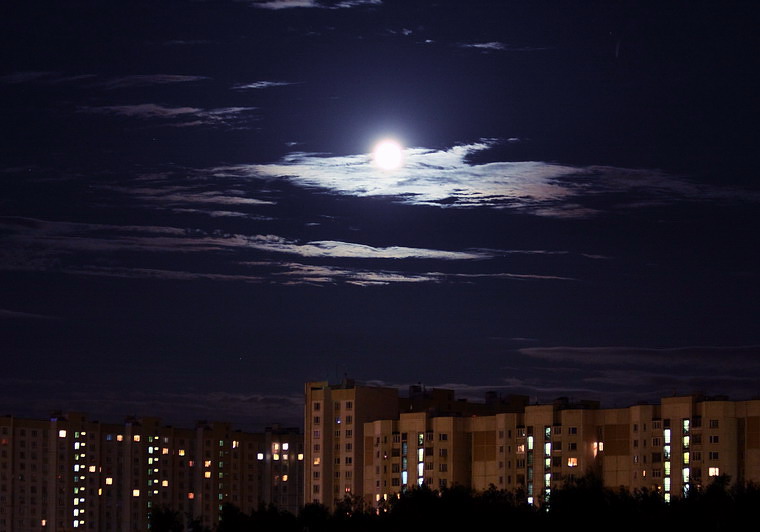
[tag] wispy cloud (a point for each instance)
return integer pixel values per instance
(448, 178)
(332, 248)
(15, 314)
(496, 46)
(80, 249)
(92, 80)
(624, 375)
(178, 116)
(141, 80)
(257, 85)
(290, 4)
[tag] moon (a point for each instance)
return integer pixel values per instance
(388, 154)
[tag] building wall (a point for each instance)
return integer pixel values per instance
(334, 417)
(671, 447)
(69, 473)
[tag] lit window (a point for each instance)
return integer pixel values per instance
(317, 460)
(181, 452)
(135, 493)
(235, 444)
(191, 495)
(260, 456)
(285, 446)
(164, 483)
(119, 437)
(92, 469)
(572, 462)
(165, 450)
(207, 463)
(136, 437)
(61, 433)
(713, 472)
(300, 456)
(207, 474)
(109, 481)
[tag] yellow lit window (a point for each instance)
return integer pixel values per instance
(572, 462)
(164, 483)
(136, 437)
(207, 474)
(165, 450)
(135, 493)
(119, 437)
(109, 481)
(181, 452)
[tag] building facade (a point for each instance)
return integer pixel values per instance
(432, 439)
(69, 473)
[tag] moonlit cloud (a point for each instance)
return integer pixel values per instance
(142, 80)
(500, 47)
(447, 178)
(224, 116)
(289, 4)
(353, 250)
(257, 85)
(15, 314)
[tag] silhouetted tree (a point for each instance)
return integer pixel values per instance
(165, 520)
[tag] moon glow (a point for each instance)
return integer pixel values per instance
(388, 154)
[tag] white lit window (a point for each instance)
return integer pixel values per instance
(713, 471)
(109, 480)
(62, 433)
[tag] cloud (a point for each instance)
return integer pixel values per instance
(136, 80)
(500, 47)
(626, 375)
(106, 402)
(224, 116)
(448, 178)
(290, 4)
(337, 249)
(141, 80)
(256, 85)
(15, 314)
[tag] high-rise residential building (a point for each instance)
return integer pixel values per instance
(334, 418)
(432, 439)
(339, 431)
(70, 473)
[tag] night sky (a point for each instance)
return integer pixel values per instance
(192, 224)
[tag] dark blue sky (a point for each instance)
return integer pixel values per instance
(191, 223)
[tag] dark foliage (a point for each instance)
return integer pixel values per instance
(718, 507)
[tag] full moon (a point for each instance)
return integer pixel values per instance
(388, 154)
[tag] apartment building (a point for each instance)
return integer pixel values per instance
(430, 438)
(70, 473)
(342, 424)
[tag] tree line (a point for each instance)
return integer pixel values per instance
(583, 503)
